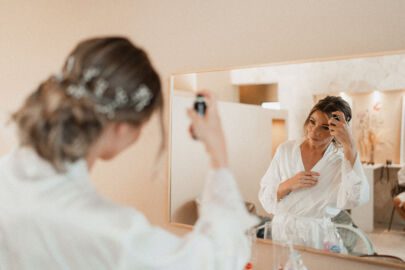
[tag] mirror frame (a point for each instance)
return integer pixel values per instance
(402, 145)
(283, 63)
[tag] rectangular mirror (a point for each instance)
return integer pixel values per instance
(402, 154)
(251, 140)
(262, 107)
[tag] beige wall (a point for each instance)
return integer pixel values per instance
(183, 35)
(35, 37)
(221, 82)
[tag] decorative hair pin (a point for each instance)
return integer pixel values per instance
(69, 64)
(90, 74)
(139, 99)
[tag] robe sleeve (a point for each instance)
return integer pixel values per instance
(401, 198)
(354, 189)
(401, 176)
(269, 184)
(218, 240)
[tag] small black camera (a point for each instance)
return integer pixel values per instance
(199, 105)
(336, 117)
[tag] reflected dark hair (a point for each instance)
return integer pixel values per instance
(331, 104)
(61, 127)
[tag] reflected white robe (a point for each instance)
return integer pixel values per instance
(300, 216)
(58, 221)
(401, 176)
(401, 181)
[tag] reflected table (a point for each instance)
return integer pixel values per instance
(363, 216)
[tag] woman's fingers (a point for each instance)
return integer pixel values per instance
(207, 129)
(192, 114)
(192, 133)
(308, 179)
(307, 182)
(307, 185)
(340, 117)
(311, 173)
(194, 126)
(340, 129)
(337, 121)
(313, 176)
(333, 123)
(210, 100)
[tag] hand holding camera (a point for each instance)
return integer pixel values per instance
(339, 129)
(200, 106)
(337, 125)
(206, 127)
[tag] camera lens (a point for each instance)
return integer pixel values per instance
(199, 105)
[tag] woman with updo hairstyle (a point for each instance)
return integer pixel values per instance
(311, 179)
(51, 215)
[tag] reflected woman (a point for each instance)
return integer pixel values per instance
(306, 177)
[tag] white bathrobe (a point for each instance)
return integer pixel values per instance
(401, 182)
(300, 216)
(401, 176)
(58, 221)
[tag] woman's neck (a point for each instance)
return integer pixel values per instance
(94, 152)
(317, 148)
(90, 159)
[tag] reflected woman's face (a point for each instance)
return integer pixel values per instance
(317, 129)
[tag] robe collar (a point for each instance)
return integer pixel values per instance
(27, 164)
(327, 156)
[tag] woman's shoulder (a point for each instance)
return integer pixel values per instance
(104, 211)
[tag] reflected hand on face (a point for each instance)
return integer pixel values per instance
(208, 129)
(341, 131)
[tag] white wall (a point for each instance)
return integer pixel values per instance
(248, 132)
(298, 83)
(184, 35)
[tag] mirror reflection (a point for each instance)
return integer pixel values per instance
(316, 149)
